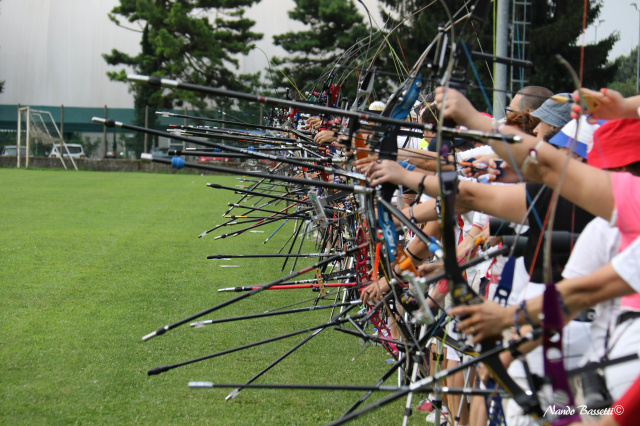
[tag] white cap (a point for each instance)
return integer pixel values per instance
(377, 106)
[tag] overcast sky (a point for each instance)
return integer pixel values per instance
(618, 15)
(50, 51)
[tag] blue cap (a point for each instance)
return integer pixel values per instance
(554, 113)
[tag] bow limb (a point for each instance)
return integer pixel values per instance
(553, 358)
(463, 294)
(556, 193)
(373, 314)
(398, 107)
(459, 289)
(553, 322)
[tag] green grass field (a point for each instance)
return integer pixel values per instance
(90, 262)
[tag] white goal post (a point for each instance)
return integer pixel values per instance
(39, 125)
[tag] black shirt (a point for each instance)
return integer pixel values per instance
(568, 217)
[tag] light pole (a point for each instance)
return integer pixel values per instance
(600, 21)
(638, 61)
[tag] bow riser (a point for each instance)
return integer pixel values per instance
(553, 358)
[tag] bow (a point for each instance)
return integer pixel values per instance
(553, 360)
(459, 289)
(553, 322)
(397, 107)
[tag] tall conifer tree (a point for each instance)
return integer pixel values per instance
(190, 40)
(332, 27)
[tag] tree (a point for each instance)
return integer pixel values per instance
(555, 28)
(624, 80)
(333, 26)
(413, 25)
(191, 40)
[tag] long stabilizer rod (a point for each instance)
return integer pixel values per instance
(327, 261)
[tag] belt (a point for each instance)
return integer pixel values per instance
(629, 315)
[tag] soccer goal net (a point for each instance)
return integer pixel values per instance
(39, 127)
